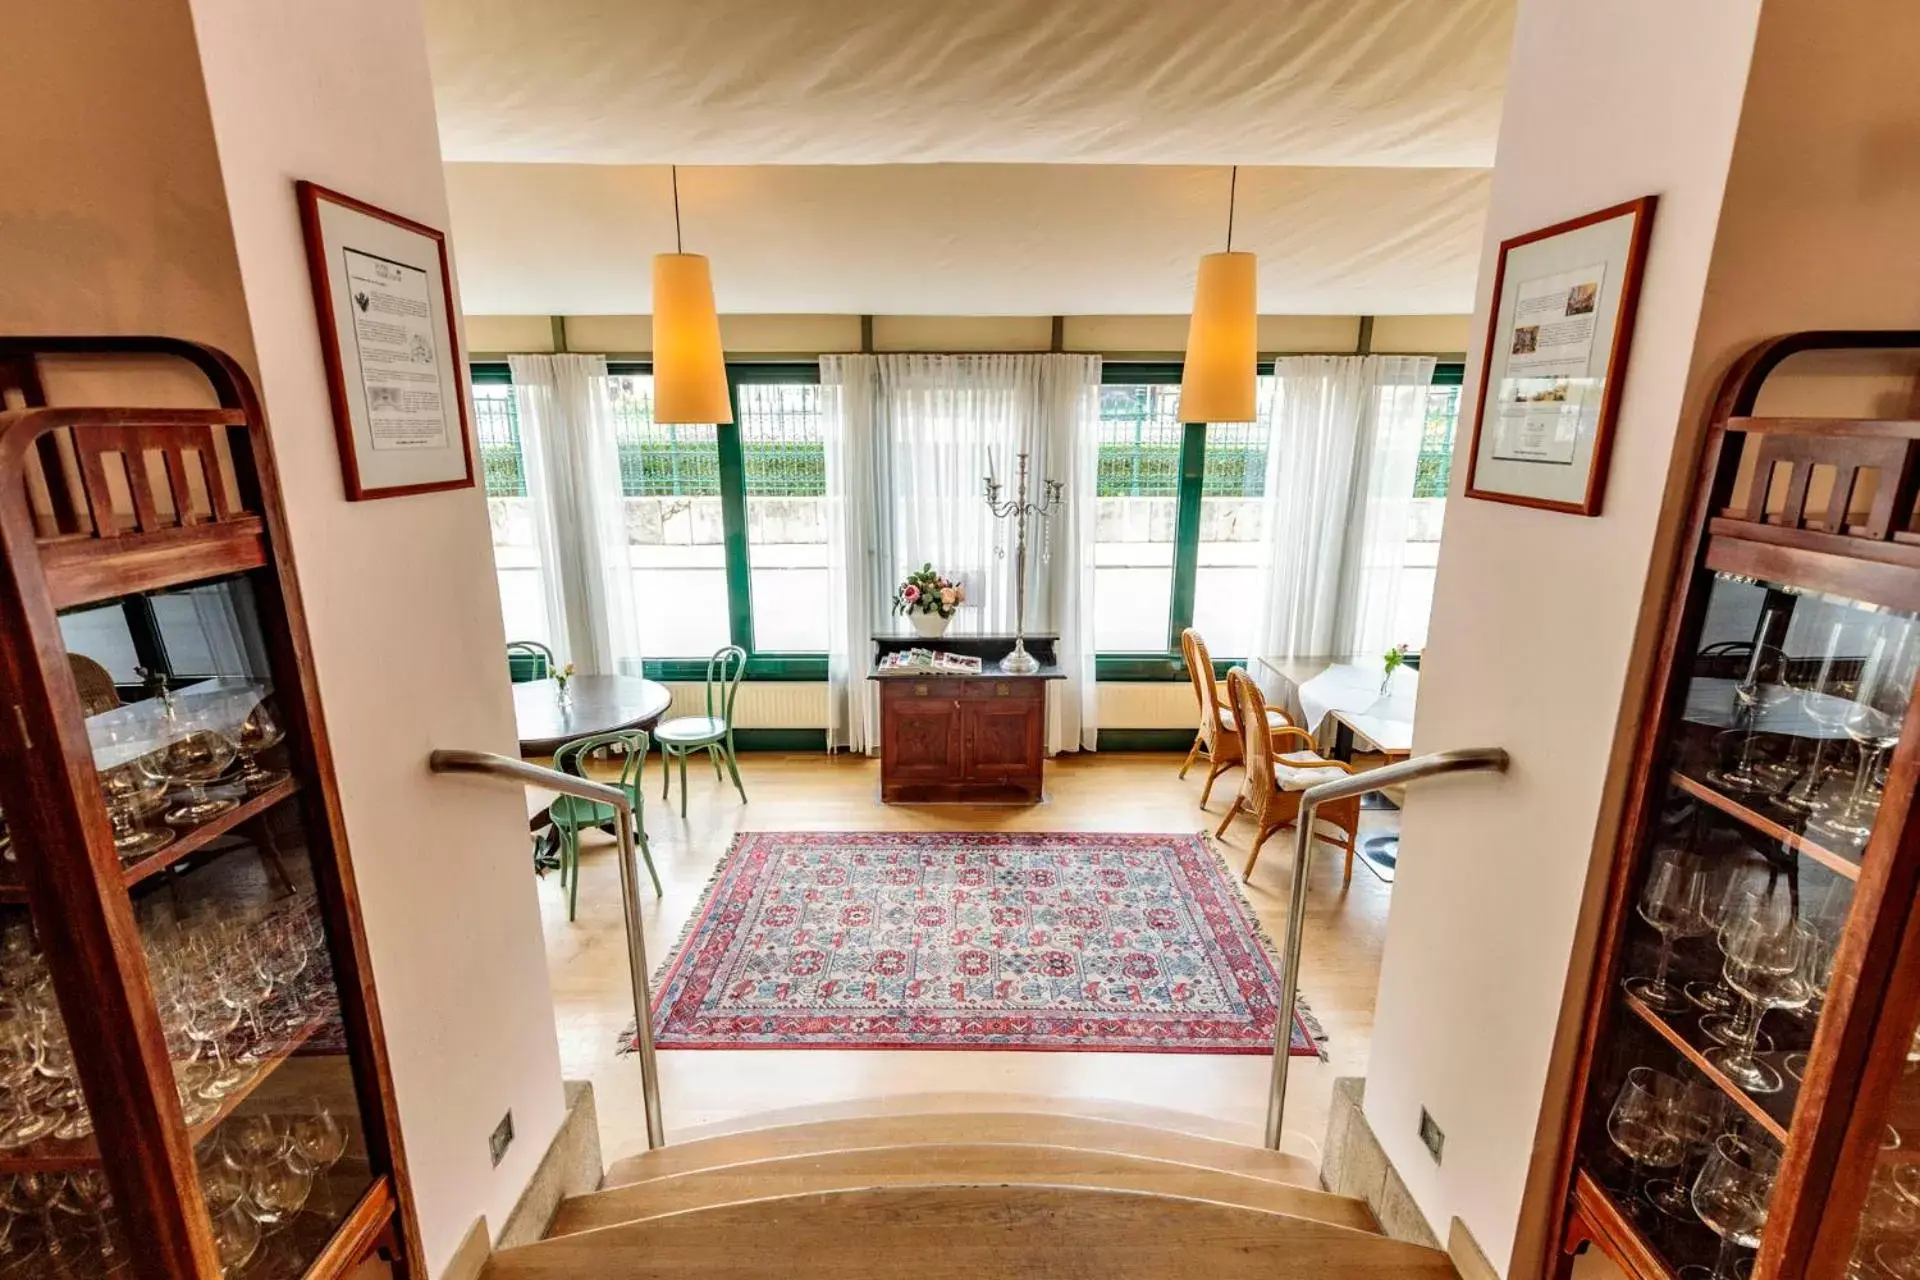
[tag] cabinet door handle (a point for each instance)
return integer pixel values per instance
(920, 691)
(1003, 689)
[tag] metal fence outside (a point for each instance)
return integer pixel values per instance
(496, 421)
(1435, 464)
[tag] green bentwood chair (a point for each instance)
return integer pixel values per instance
(711, 733)
(571, 815)
(529, 660)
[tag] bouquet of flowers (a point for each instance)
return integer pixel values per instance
(925, 591)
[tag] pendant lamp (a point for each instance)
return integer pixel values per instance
(689, 367)
(1217, 382)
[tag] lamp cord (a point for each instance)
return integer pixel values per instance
(673, 172)
(1233, 185)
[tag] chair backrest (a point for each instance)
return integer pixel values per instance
(94, 684)
(570, 758)
(529, 660)
(1200, 672)
(724, 670)
(1256, 739)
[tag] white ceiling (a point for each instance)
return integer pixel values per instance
(734, 82)
(968, 156)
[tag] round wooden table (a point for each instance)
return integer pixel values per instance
(601, 704)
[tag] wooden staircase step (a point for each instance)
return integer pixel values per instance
(929, 1102)
(973, 1233)
(1027, 1127)
(969, 1164)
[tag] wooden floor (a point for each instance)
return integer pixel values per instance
(799, 792)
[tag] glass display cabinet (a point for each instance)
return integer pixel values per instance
(192, 1077)
(1747, 1091)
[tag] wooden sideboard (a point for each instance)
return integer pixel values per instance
(964, 738)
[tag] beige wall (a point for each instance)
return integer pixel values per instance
(1535, 613)
(402, 608)
(112, 217)
(1109, 335)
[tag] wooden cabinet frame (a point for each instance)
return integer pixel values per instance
(1874, 996)
(72, 547)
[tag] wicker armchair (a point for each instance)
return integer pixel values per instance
(1271, 795)
(1218, 738)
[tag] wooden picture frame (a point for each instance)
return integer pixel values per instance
(1558, 332)
(383, 298)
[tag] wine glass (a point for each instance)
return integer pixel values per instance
(1696, 1116)
(88, 1196)
(1731, 1193)
(210, 1020)
(1641, 1123)
(1725, 900)
(58, 1066)
(318, 1141)
(223, 1184)
(1873, 722)
(236, 1238)
(1816, 973)
(1825, 699)
(35, 1192)
(198, 758)
(135, 788)
(1763, 686)
(1672, 902)
(279, 1190)
(19, 1068)
(1763, 954)
(258, 732)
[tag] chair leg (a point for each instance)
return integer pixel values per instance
(713, 755)
(646, 854)
(1192, 755)
(570, 859)
(683, 783)
(733, 767)
(1214, 770)
(1233, 811)
(1254, 856)
(666, 772)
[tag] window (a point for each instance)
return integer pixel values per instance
(1182, 518)
(676, 530)
(1138, 489)
(1233, 492)
(783, 455)
(1432, 471)
(726, 526)
(516, 550)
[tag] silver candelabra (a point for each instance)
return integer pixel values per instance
(1020, 662)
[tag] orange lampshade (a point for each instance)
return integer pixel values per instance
(689, 367)
(1217, 383)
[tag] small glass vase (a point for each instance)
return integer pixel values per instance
(563, 696)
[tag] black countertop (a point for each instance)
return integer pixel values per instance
(988, 648)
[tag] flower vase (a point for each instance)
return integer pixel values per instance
(563, 697)
(930, 626)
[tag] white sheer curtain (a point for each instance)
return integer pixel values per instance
(1340, 474)
(922, 431)
(579, 512)
(856, 599)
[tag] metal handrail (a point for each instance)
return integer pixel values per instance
(1354, 784)
(533, 775)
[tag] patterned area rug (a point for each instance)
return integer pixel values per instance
(915, 940)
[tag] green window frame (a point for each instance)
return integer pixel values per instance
(657, 462)
(1196, 482)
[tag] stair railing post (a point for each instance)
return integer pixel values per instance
(1311, 799)
(533, 775)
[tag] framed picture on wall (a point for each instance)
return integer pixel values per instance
(383, 294)
(1556, 355)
